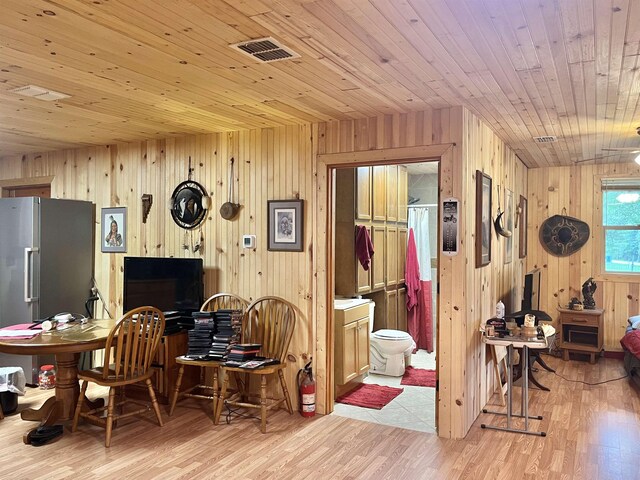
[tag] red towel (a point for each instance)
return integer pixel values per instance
(364, 247)
(412, 272)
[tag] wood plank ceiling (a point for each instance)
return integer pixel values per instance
(139, 69)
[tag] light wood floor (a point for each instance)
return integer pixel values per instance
(593, 433)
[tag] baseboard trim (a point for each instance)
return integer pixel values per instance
(616, 355)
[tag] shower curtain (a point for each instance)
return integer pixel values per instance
(419, 307)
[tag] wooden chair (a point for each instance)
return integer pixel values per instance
(269, 321)
(219, 301)
(133, 342)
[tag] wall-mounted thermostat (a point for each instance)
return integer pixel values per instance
(248, 241)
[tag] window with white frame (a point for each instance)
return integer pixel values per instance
(621, 225)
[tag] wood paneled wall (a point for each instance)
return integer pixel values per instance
(278, 163)
(463, 144)
(577, 189)
(269, 164)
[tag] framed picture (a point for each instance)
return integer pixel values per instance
(114, 229)
(508, 213)
(284, 223)
(522, 221)
(483, 219)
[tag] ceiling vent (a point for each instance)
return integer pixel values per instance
(266, 49)
(39, 93)
(546, 139)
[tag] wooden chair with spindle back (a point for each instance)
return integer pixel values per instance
(219, 301)
(270, 322)
(132, 344)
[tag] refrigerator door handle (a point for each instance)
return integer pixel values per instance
(28, 280)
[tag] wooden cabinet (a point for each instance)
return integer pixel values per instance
(403, 233)
(402, 310)
(166, 370)
(378, 237)
(392, 192)
(374, 198)
(403, 193)
(363, 193)
(351, 343)
(581, 331)
(391, 301)
(379, 193)
(392, 258)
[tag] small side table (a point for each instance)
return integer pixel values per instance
(511, 343)
(581, 331)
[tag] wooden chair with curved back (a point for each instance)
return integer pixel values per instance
(219, 301)
(132, 344)
(269, 321)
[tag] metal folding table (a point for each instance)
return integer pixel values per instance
(510, 343)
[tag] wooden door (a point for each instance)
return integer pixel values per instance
(363, 193)
(379, 193)
(392, 309)
(403, 233)
(363, 345)
(392, 192)
(392, 257)
(363, 277)
(402, 310)
(350, 368)
(403, 193)
(378, 260)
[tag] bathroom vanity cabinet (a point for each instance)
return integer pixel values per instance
(351, 342)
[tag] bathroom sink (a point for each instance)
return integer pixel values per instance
(345, 303)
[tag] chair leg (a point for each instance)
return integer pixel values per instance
(1, 413)
(76, 415)
(285, 391)
(154, 401)
(110, 408)
(223, 394)
(263, 403)
(176, 390)
(215, 392)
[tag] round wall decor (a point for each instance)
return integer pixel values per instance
(189, 204)
(561, 235)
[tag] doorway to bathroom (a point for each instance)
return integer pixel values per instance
(396, 207)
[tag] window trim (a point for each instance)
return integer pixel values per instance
(617, 182)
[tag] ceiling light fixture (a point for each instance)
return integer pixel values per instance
(39, 92)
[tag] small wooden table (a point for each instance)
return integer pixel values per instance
(581, 331)
(66, 345)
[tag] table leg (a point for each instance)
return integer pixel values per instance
(62, 406)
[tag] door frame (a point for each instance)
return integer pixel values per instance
(323, 260)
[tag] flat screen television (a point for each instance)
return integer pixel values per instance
(165, 283)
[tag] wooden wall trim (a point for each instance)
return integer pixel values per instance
(386, 155)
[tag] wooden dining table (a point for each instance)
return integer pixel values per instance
(66, 344)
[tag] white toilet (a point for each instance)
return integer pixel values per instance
(390, 350)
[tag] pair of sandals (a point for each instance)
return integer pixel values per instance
(41, 435)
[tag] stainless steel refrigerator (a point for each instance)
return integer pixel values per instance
(46, 264)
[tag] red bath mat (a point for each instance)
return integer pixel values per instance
(369, 395)
(419, 377)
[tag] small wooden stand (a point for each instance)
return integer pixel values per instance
(581, 331)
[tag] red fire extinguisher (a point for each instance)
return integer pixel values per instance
(307, 386)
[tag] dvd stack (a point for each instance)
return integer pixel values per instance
(242, 352)
(228, 328)
(201, 336)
